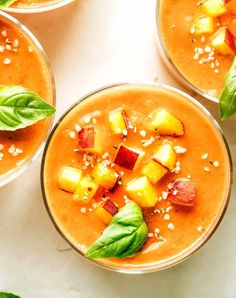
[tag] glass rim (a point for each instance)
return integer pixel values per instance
(167, 263)
(12, 175)
(44, 8)
(170, 64)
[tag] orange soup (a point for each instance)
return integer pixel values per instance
(34, 3)
(22, 63)
(149, 145)
(199, 38)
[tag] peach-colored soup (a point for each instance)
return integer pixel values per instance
(176, 19)
(21, 64)
(32, 3)
(200, 137)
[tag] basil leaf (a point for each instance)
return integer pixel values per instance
(20, 107)
(123, 237)
(5, 3)
(8, 295)
(228, 95)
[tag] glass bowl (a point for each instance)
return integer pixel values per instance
(139, 269)
(169, 62)
(36, 46)
(49, 5)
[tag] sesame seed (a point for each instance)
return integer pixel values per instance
(216, 70)
(203, 39)
(122, 173)
(1, 146)
(94, 120)
(72, 134)
(157, 230)
(216, 164)
(207, 49)
(171, 226)
(206, 169)
(192, 30)
(105, 155)
(180, 150)
(8, 47)
(166, 216)
(87, 119)
(78, 127)
(204, 156)
(196, 56)
(143, 133)
(16, 43)
(125, 132)
(7, 61)
(150, 235)
(189, 176)
(2, 48)
(175, 192)
(4, 33)
(165, 195)
(83, 210)
(30, 49)
(200, 229)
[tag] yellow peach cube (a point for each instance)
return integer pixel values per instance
(117, 121)
(105, 216)
(104, 176)
(154, 171)
(85, 190)
(213, 8)
(69, 178)
(142, 192)
(203, 25)
(165, 123)
(166, 156)
(223, 41)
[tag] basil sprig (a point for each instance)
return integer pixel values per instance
(20, 107)
(5, 3)
(8, 295)
(123, 237)
(228, 95)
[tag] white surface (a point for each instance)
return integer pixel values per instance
(92, 43)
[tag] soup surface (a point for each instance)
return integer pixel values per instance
(208, 66)
(201, 156)
(21, 63)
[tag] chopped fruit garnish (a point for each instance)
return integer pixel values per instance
(89, 140)
(165, 123)
(69, 178)
(203, 25)
(165, 155)
(106, 211)
(223, 41)
(129, 158)
(213, 8)
(85, 190)
(142, 192)
(182, 192)
(118, 121)
(104, 176)
(154, 171)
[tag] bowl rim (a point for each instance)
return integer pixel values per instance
(170, 64)
(45, 8)
(187, 252)
(17, 172)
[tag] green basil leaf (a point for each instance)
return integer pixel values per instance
(8, 295)
(20, 107)
(5, 3)
(228, 95)
(123, 237)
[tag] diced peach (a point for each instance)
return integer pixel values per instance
(165, 123)
(89, 140)
(129, 158)
(118, 121)
(69, 178)
(213, 8)
(224, 42)
(142, 192)
(182, 192)
(154, 171)
(106, 211)
(85, 190)
(203, 25)
(104, 176)
(166, 156)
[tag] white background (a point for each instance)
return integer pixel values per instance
(91, 43)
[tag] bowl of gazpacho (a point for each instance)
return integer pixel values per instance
(136, 177)
(27, 96)
(197, 41)
(32, 6)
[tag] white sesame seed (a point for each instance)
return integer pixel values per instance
(171, 226)
(2, 48)
(125, 132)
(8, 47)
(122, 173)
(16, 43)
(83, 210)
(203, 39)
(150, 235)
(200, 229)
(143, 133)
(216, 164)
(165, 195)
(216, 70)
(192, 30)
(105, 155)
(200, 51)
(72, 134)
(87, 119)
(189, 176)
(207, 49)
(78, 127)
(1, 146)
(7, 61)
(206, 169)
(94, 120)
(180, 150)
(204, 156)
(4, 33)
(157, 230)
(166, 216)
(196, 56)
(175, 192)
(30, 49)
